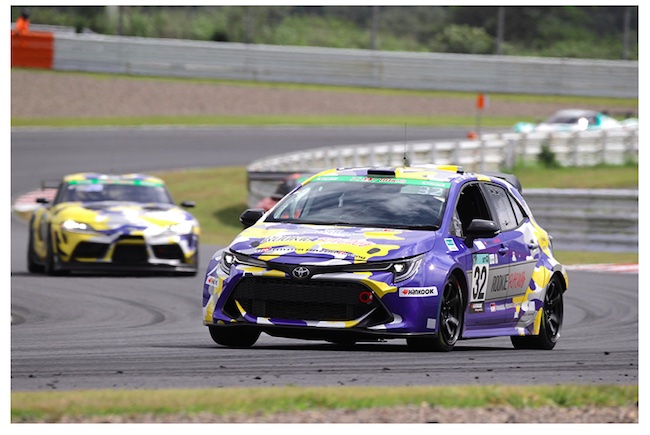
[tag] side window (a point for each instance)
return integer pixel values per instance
(471, 205)
(503, 207)
(520, 214)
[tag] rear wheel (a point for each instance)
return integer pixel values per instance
(450, 321)
(552, 315)
(233, 336)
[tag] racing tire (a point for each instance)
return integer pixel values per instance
(232, 336)
(450, 321)
(32, 265)
(50, 267)
(552, 315)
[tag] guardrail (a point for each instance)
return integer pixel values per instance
(589, 220)
(347, 67)
(499, 151)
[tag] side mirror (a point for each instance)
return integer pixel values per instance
(481, 229)
(250, 216)
(188, 204)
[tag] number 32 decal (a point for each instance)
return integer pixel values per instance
(480, 272)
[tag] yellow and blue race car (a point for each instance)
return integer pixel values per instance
(105, 223)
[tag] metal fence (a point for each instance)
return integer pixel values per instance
(349, 67)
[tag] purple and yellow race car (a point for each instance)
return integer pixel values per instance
(428, 254)
(112, 223)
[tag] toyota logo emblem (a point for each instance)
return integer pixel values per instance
(301, 272)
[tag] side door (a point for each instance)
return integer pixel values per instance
(520, 250)
(484, 259)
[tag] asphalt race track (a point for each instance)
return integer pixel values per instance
(91, 332)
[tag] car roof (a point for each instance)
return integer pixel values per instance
(97, 177)
(444, 173)
(577, 112)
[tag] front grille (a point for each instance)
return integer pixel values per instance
(90, 250)
(130, 254)
(168, 252)
(304, 300)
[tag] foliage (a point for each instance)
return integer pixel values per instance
(463, 39)
(547, 157)
(554, 31)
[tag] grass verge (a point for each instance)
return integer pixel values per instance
(48, 406)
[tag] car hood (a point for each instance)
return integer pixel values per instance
(112, 214)
(329, 244)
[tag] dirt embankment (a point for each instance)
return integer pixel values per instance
(38, 94)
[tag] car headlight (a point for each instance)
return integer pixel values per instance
(228, 259)
(181, 227)
(77, 227)
(403, 270)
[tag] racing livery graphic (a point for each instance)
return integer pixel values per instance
(100, 222)
(428, 254)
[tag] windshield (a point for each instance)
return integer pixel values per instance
(93, 192)
(570, 119)
(365, 201)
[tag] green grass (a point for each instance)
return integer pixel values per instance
(51, 406)
(592, 177)
(221, 195)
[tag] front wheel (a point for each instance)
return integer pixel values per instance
(450, 321)
(552, 315)
(51, 266)
(32, 264)
(233, 336)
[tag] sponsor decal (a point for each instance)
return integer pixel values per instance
(508, 281)
(476, 307)
(497, 307)
(418, 292)
(385, 180)
(212, 281)
(451, 245)
(320, 240)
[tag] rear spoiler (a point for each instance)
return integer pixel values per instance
(510, 178)
(50, 184)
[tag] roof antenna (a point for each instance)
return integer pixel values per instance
(406, 160)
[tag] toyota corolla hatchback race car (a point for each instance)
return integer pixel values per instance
(427, 254)
(100, 222)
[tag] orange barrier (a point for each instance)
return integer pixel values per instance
(32, 49)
